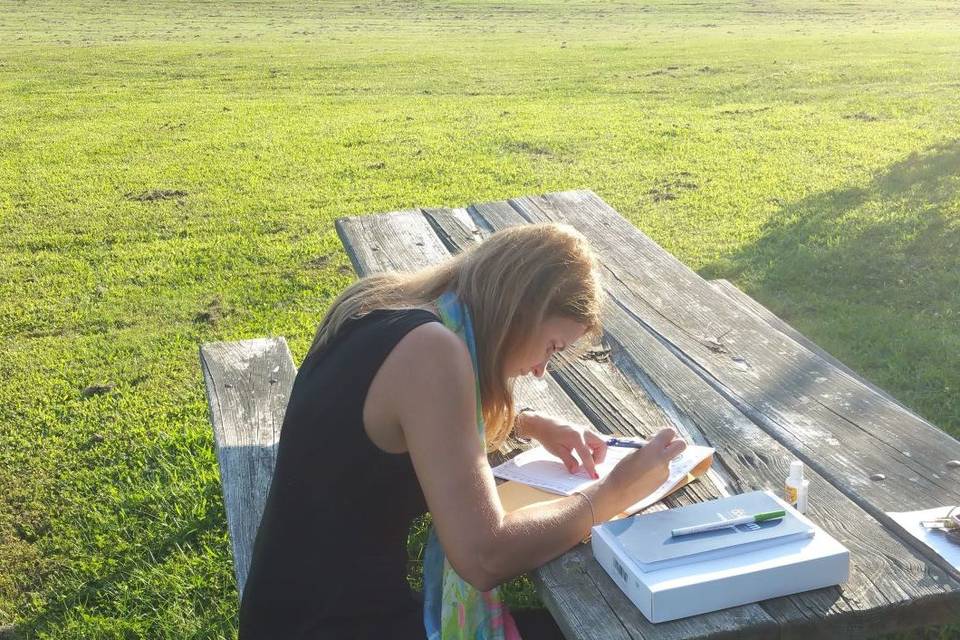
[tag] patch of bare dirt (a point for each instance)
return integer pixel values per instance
(213, 314)
(156, 194)
(98, 389)
(670, 187)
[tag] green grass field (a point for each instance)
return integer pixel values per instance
(170, 173)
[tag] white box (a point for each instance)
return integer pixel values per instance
(710, 585)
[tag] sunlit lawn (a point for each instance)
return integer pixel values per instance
(170, 173)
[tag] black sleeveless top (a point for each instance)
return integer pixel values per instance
(330, 557)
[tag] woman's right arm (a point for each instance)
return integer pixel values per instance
(435, 403)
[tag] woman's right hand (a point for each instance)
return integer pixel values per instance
(642, 472)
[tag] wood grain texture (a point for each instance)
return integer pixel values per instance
(248, 386)
(394, 241)
(841, 428)
(885, 573)
(738, 297)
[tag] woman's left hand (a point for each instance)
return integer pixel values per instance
(563, 439)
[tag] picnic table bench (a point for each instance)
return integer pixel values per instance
(678, 351)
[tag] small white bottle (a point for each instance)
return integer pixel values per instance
(795, 488)
(802, 499)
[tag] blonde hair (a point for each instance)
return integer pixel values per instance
(511, 282)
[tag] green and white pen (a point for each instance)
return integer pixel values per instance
(723, 524)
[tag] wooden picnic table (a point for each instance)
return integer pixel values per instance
(677, 351)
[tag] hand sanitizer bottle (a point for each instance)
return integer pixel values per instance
(802, 498)
(794, 484)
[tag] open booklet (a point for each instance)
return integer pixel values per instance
(536, 475)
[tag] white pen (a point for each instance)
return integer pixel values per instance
(723, 524)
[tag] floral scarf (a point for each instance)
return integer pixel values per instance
(452, 608)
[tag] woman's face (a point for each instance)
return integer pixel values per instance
(554, 335)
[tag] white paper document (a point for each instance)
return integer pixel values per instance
(936, 540)
(539, 468)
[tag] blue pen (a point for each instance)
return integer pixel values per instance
(631, 444)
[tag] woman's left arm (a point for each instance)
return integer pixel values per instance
(563, 439)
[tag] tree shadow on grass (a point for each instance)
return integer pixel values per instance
(871, 273)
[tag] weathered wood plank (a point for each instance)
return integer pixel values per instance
(375, 242)
(248, 386)
(738, 297)
(455, 228)
(839, 427)
(575, 601)
(592, 614)
(885, 572)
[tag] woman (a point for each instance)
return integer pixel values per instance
(407, 385)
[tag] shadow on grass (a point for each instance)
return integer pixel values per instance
(871, 274)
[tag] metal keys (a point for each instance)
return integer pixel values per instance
(949, 525)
